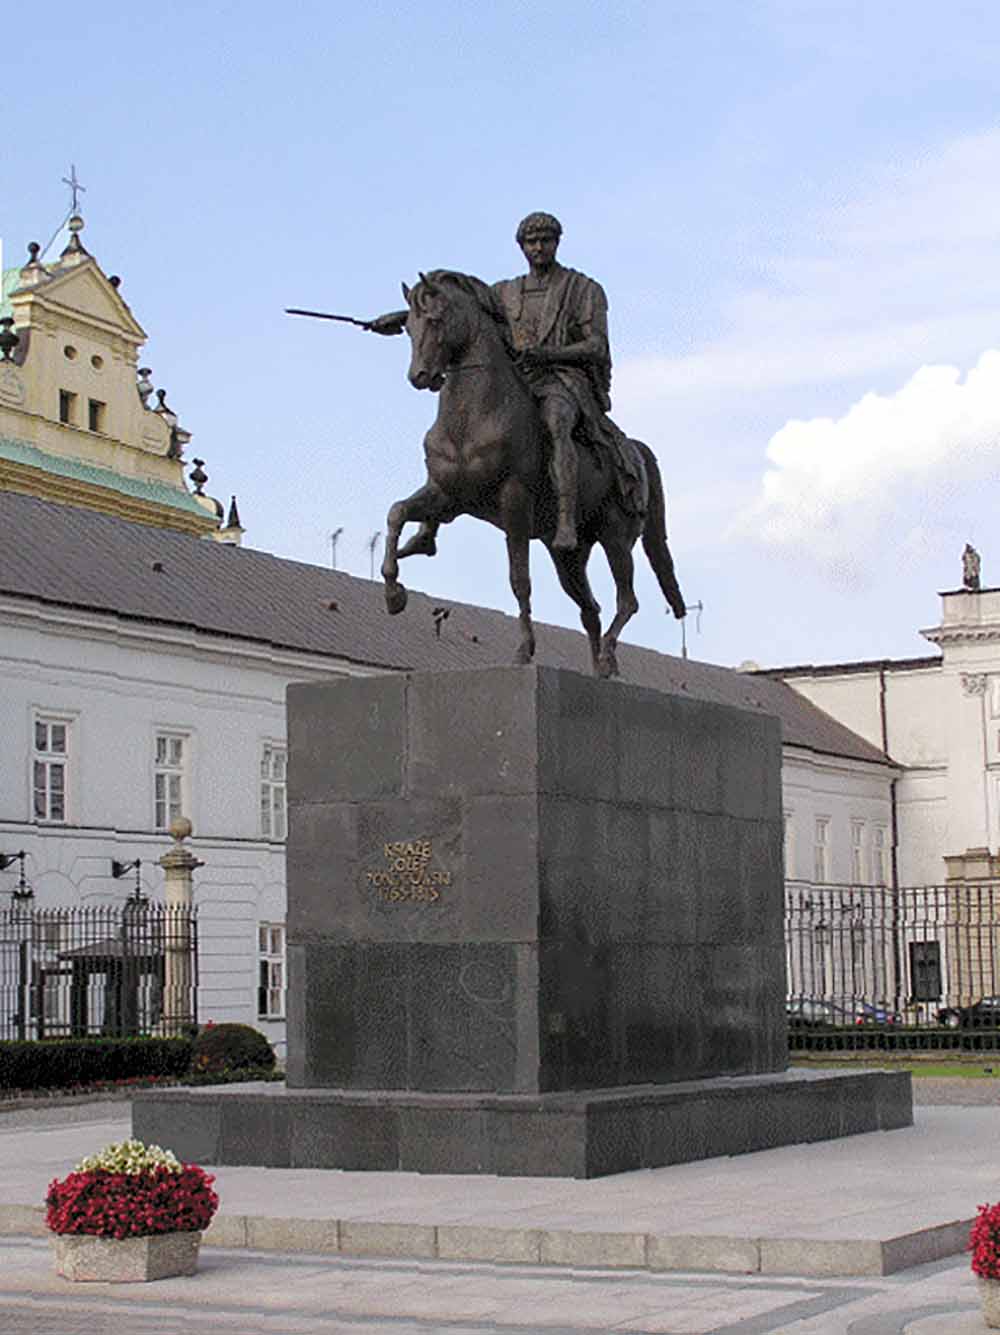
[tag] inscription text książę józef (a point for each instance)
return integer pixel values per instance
(406, 876)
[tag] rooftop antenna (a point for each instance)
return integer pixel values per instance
(698, 607)
(372, 544)
(334, 536)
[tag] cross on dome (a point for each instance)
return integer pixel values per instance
(75, 186)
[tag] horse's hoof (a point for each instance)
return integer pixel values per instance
(395, 598)
(524, 655)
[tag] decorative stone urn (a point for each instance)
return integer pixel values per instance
(82, 1256)
(989, 1298)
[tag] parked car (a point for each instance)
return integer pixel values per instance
(873, 1013)
(804, 1011)
(807, 1011)
(982, 1014)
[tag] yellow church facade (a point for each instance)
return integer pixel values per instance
(80, 422)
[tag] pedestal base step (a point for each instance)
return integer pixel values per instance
(582, 1133)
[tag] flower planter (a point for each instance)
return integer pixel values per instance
(989, 1298)
(83, 1256)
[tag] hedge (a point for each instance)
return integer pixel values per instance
(60, 1063)
(871, 1038)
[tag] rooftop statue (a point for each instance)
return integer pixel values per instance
(522, 436)
(971, 566)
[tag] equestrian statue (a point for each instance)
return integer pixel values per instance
(522, 436)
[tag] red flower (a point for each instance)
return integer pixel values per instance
(120, 1205)
(984, 1242)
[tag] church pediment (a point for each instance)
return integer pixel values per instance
(84, 292)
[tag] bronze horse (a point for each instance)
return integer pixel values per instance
(486, 456)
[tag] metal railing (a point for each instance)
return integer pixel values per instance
(916, 956)
(113, 971)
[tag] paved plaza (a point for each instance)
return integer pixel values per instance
(855, 1199)
(257, 1293)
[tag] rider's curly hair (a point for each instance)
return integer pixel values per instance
(540, 223)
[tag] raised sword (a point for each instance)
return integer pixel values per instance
(322, 315)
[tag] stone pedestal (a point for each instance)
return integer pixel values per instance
(523, 880)
(534, 926)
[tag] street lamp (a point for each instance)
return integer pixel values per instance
(22, 892)
(21, 923)
(119, 869)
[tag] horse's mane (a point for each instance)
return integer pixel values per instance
(484, 297)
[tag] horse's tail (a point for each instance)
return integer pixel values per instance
(654, 535)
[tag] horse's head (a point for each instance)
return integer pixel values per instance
(440, 325)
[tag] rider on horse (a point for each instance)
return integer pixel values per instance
(558, 320)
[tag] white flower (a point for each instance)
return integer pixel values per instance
(130, 1156)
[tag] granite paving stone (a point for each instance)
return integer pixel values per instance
(256, 1293)
(780, 1200)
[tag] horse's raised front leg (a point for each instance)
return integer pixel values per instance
(427, 507)
(571, 567)
(516, 515)
(423, 542)
(618, 550)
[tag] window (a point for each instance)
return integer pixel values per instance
(49, 766)
(67, 407)
(821, 850)
(270, 971)
(880, 855)
(95, 415)
(273, 765)
(857, 852)
(168, 780)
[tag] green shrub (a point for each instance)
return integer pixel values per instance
(60, 1063)
(240, 1076)
(222, 1048)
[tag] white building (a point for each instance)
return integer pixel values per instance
(145, 673)
(939, 719)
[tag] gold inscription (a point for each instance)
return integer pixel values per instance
(406, 876)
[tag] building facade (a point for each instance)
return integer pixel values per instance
(938, 718)
(80, 421)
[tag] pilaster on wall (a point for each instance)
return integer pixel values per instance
(969, 637)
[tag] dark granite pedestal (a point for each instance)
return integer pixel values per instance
(535, 927)
(571, 1134)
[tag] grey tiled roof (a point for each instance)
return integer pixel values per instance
(72, 557)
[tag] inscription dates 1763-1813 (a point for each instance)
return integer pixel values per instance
(406, 875)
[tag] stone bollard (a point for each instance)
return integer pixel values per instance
(178, 865)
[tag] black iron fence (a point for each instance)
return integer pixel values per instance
(113, 970)
(916, 957)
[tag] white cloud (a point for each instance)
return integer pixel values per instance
(902, 272)
(833, 483)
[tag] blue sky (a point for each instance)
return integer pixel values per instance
(793, 206)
